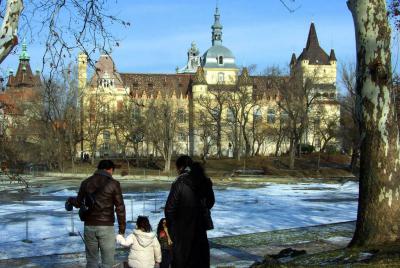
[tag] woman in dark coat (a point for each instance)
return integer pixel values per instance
(185, 215)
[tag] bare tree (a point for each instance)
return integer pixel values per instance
(394, 13)
(63, 25)
(162, 127)
(349, 118)
(214, 104)
(129, 124)
(241, 104)
(96, 120)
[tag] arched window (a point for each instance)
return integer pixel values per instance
(257, 116)
(271, 116)
(230, 116)
(220, 60)
(106, 135)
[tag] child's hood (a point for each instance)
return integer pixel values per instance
(144, 239)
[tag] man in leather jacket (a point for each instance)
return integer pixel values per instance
(99, 222)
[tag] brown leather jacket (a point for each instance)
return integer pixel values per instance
(106, 199)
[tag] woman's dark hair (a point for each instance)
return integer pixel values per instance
(184, 161)
(143, 223)
(160, 227)
(199, 179)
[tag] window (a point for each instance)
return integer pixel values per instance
(215, 112)
(317, 121)
(181, 136)
(284, 117)
(181, 116)
(257, 116)
(120, 106)
(220, 60)
(230, 116)
(271, 116)
(136, 113)
(220, 77)
(106, 136)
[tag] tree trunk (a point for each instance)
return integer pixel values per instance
(378, 207)
(354, 160)
(219, 146)
(9, 28)
(292, 153)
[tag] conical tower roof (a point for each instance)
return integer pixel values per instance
(313, 52)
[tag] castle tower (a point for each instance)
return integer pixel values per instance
(314, 63)
(82, 71)
(24, 78)
(218, 61)
(317, 70)
(193, 60)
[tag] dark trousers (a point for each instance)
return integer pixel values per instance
(166, 258)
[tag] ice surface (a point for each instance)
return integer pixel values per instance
(44, 221)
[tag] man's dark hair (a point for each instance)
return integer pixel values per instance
(143, 224)
(106, 164)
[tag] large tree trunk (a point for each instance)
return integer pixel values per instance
(378, 217)
(9, 27)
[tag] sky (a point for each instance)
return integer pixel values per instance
(261, 32)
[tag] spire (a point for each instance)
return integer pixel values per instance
(24, 54)
(332, 56)
(199, 78)
(216, 29)
(293, 60)
(312, 40)
(244, 77)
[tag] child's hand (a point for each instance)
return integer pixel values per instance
(119, 238)
(157, 265)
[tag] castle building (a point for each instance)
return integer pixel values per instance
(209, 107)
(21, 92)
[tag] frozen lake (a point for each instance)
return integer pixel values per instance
(42, 220)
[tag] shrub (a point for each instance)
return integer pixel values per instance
(307, 148)
(331, 149)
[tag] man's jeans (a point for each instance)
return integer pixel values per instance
(103, 238)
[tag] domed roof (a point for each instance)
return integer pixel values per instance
(218, 50)
(210, 57)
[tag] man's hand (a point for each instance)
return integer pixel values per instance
(119, 238)
(68, 205)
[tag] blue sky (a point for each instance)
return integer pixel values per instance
(258, 32)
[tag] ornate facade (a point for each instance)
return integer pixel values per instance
(201, 96)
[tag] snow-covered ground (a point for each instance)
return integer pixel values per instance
(43, 220)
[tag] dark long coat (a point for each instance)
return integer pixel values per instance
(185, 221)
